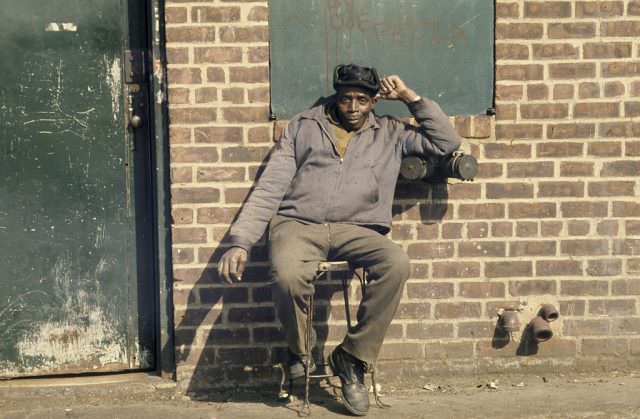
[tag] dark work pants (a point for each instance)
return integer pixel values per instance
(295, 250)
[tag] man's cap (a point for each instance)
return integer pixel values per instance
(353, 75)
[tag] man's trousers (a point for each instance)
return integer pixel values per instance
(295, 248)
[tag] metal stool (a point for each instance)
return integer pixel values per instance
(322, 270)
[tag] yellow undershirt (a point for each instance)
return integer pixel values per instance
(342, 136)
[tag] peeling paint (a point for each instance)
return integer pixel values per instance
(114, 80)
(57, 27)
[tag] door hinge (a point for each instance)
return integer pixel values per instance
(134, 66)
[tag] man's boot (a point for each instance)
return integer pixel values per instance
(351, 372)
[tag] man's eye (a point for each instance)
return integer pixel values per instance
(362, 101)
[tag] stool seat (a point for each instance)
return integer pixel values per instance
(334, 266)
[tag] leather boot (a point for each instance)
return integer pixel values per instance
(351, 372)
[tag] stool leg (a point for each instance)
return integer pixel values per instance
(308, 351)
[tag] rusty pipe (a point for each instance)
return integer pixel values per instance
(509, 321)
(549, 312)
(540, 329)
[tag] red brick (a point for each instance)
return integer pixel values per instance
(206, 94)
(570, 130)
(258, 54)
(430, 250)
(532, 210)
(244, 34)
(611, 188)
(506, 112)
(584, 287)
(177, 56)
(632, 109)
(547, 9)
(599, 8)
(612, 307)
(605, 149)
(395, 351)
(194, 195)
(537, 92)
(578, 227)
(259, 135)
(518, 131)
(588, 90)
(216, 215)
(429, 331)
(563, 91)
(249, 74)
(606, 50)
(448, 350)
(620, 28)
(178, 95)
(571, 30)
(507, 10)
(413, 311)
(580, 209)
(621, 168)
(234, 95)
(509, 190)
(259, 95)
(584, 247)
(481, 249)
(632, 227)
(633, 8)
(527, 170)
(452, 231)
(482, 289)
(626, 247)
(596, 110)
(190, 34)
(477, 230)
(507, 151)
(554, 51)
(625, 287)
(572, 308)
(201, 14)
(216, 135)
(427, 231)
(175, 15)
(527, 229)
(576, 169)
(489, 170)
(559, 149)
(532, 248)
(481, 211)
(605, 346)
(519, 31)
(621, 69)
(188, 235)
(544, 111)
(519, 72)
(512, 52)
(506, 92)
(626, 209)
(454, 269)
(457, 191)
(632, 148)
(182, 216)
(192, 115)
(572, 71)
(476, 329)
(258, 14)
(550, 228)
(585, 327)
(430, 290)
(215, 75)
(508, 269)
(181, 175)
(457, 310)
(194, 154)
(619, 129)
(614, 89)
(532, 287)
(184, 76)
(608, 228)
(217, 55)
(501, 229)
(604, 267)
(246, 114)
(220, 174)
(561, 189)
(558, 268)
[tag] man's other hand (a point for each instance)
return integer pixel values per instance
(231, 264)
(393, 88)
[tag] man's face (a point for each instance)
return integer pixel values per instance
(353, 107)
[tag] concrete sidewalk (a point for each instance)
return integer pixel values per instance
(142, 396)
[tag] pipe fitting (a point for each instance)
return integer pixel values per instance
(540, 329)
(509, 321)
(549, 312)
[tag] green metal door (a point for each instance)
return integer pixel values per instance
(76, 284)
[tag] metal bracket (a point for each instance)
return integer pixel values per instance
(134, 66)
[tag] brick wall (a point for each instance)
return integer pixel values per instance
(553, 216)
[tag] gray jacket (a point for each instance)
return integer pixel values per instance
(306, 179)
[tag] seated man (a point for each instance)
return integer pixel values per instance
(327, 192)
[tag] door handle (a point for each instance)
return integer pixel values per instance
(136, 121)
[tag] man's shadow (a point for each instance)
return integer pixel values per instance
(229, 344)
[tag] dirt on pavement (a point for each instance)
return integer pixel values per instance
(142, 396)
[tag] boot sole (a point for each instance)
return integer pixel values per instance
(346, 404)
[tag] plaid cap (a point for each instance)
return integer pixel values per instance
(355, 75)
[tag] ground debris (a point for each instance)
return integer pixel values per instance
(491, 385)
(439, 388)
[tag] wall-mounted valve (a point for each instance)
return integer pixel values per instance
(540, 329)
(457, 165)
(549, 312)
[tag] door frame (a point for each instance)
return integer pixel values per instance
(159, 132)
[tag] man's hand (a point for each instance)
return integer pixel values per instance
(393, 88)
(231, 264)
